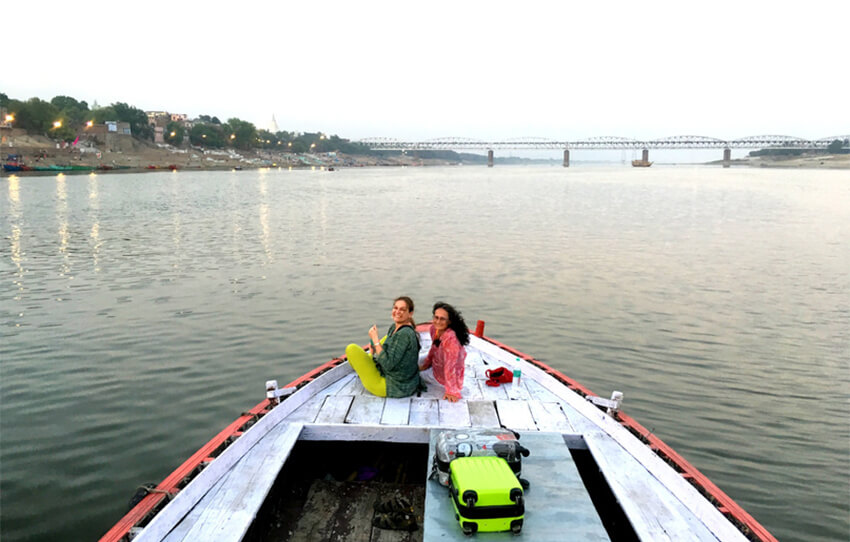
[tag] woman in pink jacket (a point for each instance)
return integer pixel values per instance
(447, 354)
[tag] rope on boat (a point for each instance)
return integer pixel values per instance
(168, 495)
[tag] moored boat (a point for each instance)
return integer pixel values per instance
(309, 462)
(15, 163)
(641, 163)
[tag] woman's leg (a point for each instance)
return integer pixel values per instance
(366, 370)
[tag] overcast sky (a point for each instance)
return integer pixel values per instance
(560, 70)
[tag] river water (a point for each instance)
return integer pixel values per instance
(142, 313)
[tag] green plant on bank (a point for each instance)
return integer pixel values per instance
(837, 146)
(174, 132)
(208, 135)
(243, 134)
(65, 117)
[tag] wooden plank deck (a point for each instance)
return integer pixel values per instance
(231, 506)
(557, 506)
(337, 407)
(654, 515)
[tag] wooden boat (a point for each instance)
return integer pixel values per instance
(309, 461)
(15, 163)
(641, 163)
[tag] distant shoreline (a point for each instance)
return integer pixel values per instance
(813, 161)
(124, 154)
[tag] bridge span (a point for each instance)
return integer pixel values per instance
(605, 142)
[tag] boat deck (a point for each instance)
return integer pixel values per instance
(658, 502)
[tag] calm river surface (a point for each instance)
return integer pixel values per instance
(142, 313)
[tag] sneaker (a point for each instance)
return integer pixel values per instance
(396, 521)
(393, 503)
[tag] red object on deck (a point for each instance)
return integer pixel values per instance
(725, 504)
(479, 329)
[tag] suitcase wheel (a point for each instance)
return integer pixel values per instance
(524, 483)
(516, 495)
(469, 528)
(516, 526)
(470, 497)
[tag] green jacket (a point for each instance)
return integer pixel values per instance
(398, 362)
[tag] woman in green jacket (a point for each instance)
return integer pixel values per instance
(392, 370)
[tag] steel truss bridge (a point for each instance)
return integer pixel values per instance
(598, 143)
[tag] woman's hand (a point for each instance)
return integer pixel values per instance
(373, 334)
(452, 398)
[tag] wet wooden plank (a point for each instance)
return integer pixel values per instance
(396, 411)
(537, 391)
(308, 411)
(471, 391)
(353, 387)
(549, 417)
(227, 515)
(365, 409)
(653, 511)
(454, 414)
(434, 389)
(490, 393)
(483, 414)
(515, 415)
(343, 511)
(322, 503)
(424, 412)
(334, 409)
(518, 392)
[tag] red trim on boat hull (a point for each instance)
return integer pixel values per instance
(724, 503)
(171, 485)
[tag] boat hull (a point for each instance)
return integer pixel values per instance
(330, 405)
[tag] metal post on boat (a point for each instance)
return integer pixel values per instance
(479, 329)
(611, 405)
(271, 392)
(617, 400)
(274, 394)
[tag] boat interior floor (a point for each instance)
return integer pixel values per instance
(328, 490)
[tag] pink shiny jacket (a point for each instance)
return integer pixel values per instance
(447, 359)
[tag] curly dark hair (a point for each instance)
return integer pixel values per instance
(456, 322)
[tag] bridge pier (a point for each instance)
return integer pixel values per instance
(490, 158)
(645, 155)
(727, 157)
(566, 157)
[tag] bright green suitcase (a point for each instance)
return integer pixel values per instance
(487, 495)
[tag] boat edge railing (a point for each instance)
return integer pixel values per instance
(727, 506)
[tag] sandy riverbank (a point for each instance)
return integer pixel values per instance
(813, 161)
(126, 154)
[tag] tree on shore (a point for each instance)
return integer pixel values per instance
(242, 134)
(174, 132)
(34, 115)
(137, 119)
(836, 146)
(121, 112)
(207, 135)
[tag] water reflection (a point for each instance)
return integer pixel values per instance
(264, 216)
(62, 218)
(94, 212)
(15, 237)
(176, 232)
